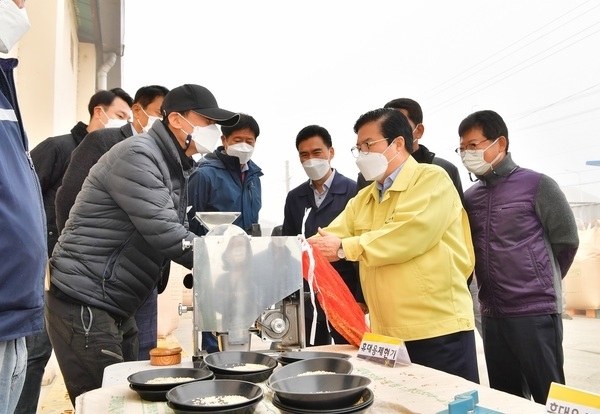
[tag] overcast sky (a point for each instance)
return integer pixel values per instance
(291, 64)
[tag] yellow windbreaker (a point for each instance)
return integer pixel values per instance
(414, 251)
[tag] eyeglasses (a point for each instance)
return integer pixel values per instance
(470, 147)
(364, 148)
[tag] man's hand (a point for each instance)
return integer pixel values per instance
(327, 244)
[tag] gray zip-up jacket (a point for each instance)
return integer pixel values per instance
(127, 222)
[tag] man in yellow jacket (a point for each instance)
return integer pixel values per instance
(411, 237)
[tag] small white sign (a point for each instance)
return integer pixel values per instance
(383, 350)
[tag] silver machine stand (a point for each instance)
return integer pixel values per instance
(245, 286)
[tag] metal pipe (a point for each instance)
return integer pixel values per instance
(102, 74)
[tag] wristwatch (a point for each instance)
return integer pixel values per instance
(340, 252)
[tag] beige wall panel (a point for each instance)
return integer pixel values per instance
(37, 70)
(86, 79)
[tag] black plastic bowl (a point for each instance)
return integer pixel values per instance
(226, 362)
(183, 396)
(327, 391)
(361, 406)
(295, 356)
(247, 409)
(223, 364)
(158, 392)
(329, 365)
(139, 379)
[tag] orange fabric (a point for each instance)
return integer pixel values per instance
(335, 298)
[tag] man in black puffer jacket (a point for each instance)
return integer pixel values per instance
(127, 223)
(146, 108)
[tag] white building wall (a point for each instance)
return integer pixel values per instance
(53, 85)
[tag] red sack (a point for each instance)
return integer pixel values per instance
(335, 298)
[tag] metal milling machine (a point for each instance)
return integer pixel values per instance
(245, 286)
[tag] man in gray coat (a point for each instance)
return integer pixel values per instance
(126, 225)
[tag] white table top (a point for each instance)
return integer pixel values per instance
(403, 389)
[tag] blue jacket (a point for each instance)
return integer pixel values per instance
(525, 240)
(22, 222)
(342, 189)
(216, 185)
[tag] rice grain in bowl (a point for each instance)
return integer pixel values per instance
(215, 395)
(236, 361)
(220, 400)
(153, 384)
(249, 367)
(241, 365)
(167, 378)
(313, 366)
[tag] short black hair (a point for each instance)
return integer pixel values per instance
(312, 131)
(392, 124)
(246, 122)
(491, 124)
(415, 113)
(147, 94)
(106, 98)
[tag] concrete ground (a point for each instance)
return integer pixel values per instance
(581, 347)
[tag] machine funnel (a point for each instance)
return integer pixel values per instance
(211, 219)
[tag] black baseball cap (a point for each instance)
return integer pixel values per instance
(197, 98)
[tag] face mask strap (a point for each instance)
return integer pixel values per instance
(107, 117)
(188, 138)
(491, 164)
(490, 146)
(398, 153)
(182, 117)
(152, 116)
(147, 116)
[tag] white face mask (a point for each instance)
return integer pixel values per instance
(415, 140)
(242, 150)
(113, 122)
(205, 138)
(373, 165)
(151, 121)
(474, 160)
(13, 24)
(316, 168)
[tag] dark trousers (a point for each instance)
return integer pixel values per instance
(323, 336)
(324, 333)
(146, 321)
(524, 354)
(86, 340)
(209, 342)
(39, 350)
(454, 353)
